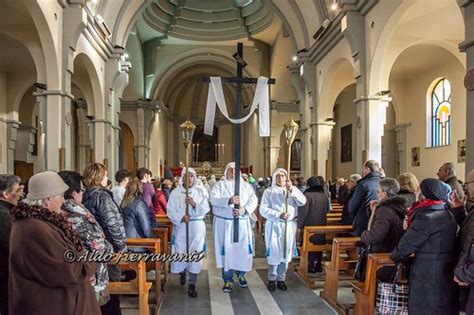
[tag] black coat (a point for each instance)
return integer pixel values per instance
(342, 194)
(100, 202)
(465, 273)
(5, 230)
(359, 205)
(432, 238)
(346, 218)
(314, 212)
(386, 230)
(410, 197)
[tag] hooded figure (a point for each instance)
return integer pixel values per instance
(233, 257)
(273, 209)
(198, 208)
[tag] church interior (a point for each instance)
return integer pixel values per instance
(111, 81)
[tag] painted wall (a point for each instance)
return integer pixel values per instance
(281, 56)
(345, 114)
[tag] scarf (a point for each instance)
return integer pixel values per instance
(24, 211)
(421, 204)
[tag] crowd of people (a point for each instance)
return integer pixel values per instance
(426, 225)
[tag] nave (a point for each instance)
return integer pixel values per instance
(256, 299)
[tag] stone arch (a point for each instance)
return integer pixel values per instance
(95, 87)
(386, 51)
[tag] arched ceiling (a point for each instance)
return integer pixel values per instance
(203, 20)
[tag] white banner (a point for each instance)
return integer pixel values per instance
(260, 100)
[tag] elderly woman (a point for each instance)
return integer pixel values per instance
(314, 212)
(86, 227)
(408, 187)
(42, 281)
(386, 223)
(431, 236)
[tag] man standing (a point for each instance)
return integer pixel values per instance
(122, 177)
(233, 257)
(198, 202)
(447, 174)
(273, 209)
(364, 193)
(10, 194)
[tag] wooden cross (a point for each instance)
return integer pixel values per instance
(239, 79)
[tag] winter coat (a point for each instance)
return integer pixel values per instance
(465, 273)
(5, 228)
(135, 220)
(432, 238)
(314, 213)
(86, 227)
(346, 218)
(359, 205)
(342, 194)
(466, 235)
(41, 280)
(455, 185)
(159, 204)
(386, 230)
(99, 201)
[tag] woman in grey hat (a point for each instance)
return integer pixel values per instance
(45, 275)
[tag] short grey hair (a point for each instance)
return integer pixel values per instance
(7, 181)
(355, 177)
(449, 167)
(390, 186)
(35, 202)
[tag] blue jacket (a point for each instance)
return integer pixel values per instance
(359, 204)
(136, 220)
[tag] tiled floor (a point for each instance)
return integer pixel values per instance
(255, 299)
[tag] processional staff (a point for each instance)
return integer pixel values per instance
(290, 128)
(187, 132)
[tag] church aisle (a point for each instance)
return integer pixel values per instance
(255, 299)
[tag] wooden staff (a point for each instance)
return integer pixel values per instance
(187, 132)
(291, 128)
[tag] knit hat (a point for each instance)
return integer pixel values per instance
(435, 189)
(44, 185)
(314, 182)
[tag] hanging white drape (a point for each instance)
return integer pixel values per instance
(260, 100)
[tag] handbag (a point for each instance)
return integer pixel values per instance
(392, 297)
(359, 273)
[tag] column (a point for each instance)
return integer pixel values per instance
(322, 141)
(401, 136)
(467, 46)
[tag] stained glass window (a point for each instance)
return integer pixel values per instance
(439, 109)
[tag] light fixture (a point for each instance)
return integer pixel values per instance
(334, 6)
(295, 58)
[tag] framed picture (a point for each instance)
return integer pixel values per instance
(415, 156)
(346, 143)
(461, 151)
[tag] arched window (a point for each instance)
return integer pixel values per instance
(439, 114)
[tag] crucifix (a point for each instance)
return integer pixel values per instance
(239, 80)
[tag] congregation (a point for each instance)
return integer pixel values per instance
(426, 225)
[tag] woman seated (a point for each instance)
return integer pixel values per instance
(408, 186)
(386, 223)
(431, 236)
(46, 276)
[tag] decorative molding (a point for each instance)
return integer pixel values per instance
(463, 46)
(54, 92)
(465, 3)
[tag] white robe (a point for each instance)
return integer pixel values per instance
(230, 255)
(271, 207)
(176, 209)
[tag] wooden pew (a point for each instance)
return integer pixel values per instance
(162, 220)
(332, 268)
(307, 247)
(156, 247)
(334, 215)
(365, 291)
(138, 286)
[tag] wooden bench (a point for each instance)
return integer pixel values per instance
(307, 247)
(337, 264)
(162, 220)
(138, 286)
(334, 215)
(365, 291)
(155, 246)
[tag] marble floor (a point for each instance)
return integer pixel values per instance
(255, 299)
